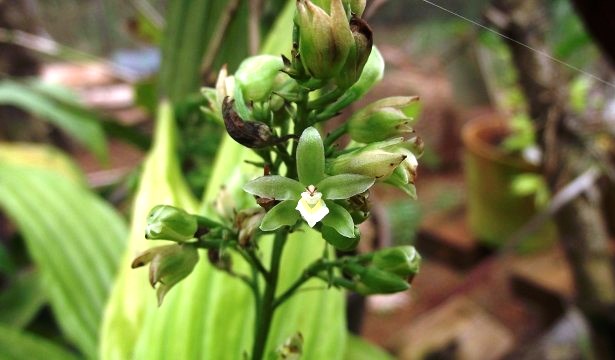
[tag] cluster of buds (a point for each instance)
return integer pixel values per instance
(169, 264)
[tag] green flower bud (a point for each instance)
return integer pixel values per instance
(257, 76)
(169, 265)
(403, 261)
(371, 280)
(383, 119)
(166, 222)
(412, 149)
(358, 53)
(324, 40)
(357, 7)
(375, 163)
(339, 241)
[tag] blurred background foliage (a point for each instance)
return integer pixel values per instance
(54, 282)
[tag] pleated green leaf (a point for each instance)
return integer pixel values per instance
(78, 122)
(133, 300)
(22, 300)
(74, 238)
(18, 345)
(359, 349)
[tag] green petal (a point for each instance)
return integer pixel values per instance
(344, 186)
(339, 241)
(274, 187)
(339, 219)
(399, 179)
(310, 157)
(280, 215)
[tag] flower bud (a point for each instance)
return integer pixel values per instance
(383, 119)
(357, 7)
(247, 222)
(324, 40)
(412, 149)
(340, 242)
(371, 280)
(225, 86)
(403, 261)
(257, 76)
(358, 54)
(375, 163)
(220, 260)
(252, 134)
(169, 265)
(291, 349)
(359, 207)
(166, 222)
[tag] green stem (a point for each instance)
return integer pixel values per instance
(253, 260)
(334, 135)
(266, 310)
(311, 271)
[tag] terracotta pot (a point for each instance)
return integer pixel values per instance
(494, 211)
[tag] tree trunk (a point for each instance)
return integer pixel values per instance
(581, 226)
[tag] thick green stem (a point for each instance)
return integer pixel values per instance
(266, 310)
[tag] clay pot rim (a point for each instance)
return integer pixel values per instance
(473, 140)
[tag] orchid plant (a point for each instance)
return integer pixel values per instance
(276, 106)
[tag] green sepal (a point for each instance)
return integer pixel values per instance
(274, 187)
(340, 242)
(339, 219)
(310, 157)
(240, 104)
(166, 222)
(344, 186)
(371, 280)
(403, 261)
(283, 214)
(399, 179)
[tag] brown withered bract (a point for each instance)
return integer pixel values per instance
(252, 134)
(266, 203)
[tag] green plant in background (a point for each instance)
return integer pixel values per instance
(273, 106)
(106, 310)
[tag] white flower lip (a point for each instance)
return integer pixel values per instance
(311, 206)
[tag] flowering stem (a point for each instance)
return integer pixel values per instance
(311, 271)
(334, 135)
(266, 309)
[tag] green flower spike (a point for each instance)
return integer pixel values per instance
(312, 197)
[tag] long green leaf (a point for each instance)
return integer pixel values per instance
(83, 125)
(22, 300)
(359, 349)
(74, 238)
(191, 26)
(133, 301)
(18, 345)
